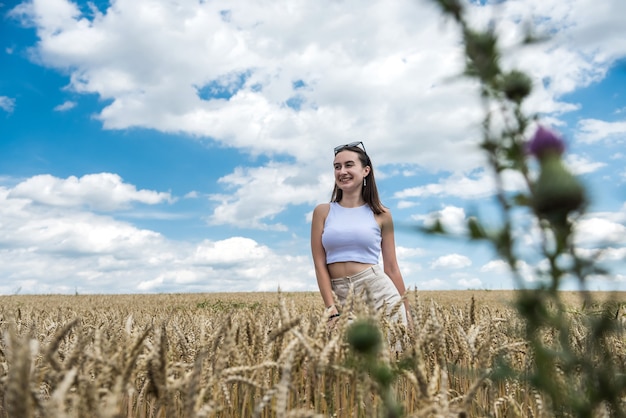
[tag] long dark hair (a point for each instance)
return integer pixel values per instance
(369, 191)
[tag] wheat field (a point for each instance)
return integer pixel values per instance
(263, 355)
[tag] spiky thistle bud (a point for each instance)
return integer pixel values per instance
(364, 337)
(516, 86)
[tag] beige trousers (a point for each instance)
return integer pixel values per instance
(379, 285)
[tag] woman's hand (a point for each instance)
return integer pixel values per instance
(409, 317)
(333, 315)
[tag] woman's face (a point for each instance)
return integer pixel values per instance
(349, 171)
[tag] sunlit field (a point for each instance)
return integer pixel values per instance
(265, 355)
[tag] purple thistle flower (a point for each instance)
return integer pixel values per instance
(545, 141)
(556, 193)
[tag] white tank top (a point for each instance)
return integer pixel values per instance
(351, 234)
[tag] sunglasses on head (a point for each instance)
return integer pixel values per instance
(351, 144)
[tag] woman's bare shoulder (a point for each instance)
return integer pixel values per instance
(321, 209)
(385, 218)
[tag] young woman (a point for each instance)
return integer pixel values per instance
(349, 234)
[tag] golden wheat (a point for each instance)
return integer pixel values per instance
(263, 355)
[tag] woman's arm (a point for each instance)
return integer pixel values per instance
(388, 249)
(319, 256)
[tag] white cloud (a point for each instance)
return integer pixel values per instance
(262, 193)
(231, 251)
(7, 104)
(456, 185)
(452, 218)
(67, 230)
(410, 272)
(495, 266)
(582, 165)
(375, 71)
(594, 130)
(433, 284)
(474, 186)
(62, 249)
(67, 105)
(409, 261)
(470, 283)
(599, 231)
(613, 254)
(404, 204)
(451, 261)
(405, 252)
(103, 191)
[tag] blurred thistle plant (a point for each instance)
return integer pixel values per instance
(365, 339)
(577, 382)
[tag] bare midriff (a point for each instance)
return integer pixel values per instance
(346, 268)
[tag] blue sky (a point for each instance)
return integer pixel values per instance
(156, 146)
